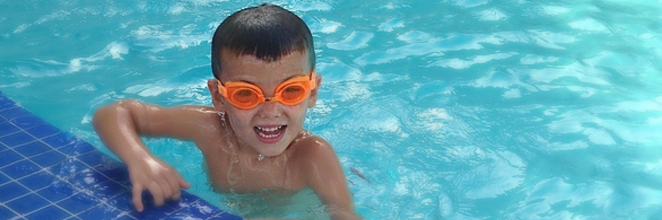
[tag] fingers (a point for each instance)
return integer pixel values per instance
(182, 182)
(137, 197)
(161, 185)
(174, 187)
(157, 193)
(166, 187)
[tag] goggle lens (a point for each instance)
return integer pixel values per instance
(292, 94)
(247, 96)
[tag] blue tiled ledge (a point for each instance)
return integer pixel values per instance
(48, 174)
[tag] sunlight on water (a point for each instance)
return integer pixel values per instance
(452, 109)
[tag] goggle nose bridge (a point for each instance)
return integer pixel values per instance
(270, 99)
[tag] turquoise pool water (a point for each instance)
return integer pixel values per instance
(451, 109)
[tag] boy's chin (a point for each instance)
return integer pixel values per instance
(273, 149)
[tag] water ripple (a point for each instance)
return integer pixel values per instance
(56, 15)
(159, 39)
(492, 15)
(493, 172)
(356, 40)
(464, 64)
(589, 24)
(627, 65)
(390, 25)
(322, 25)
(338, 71)
(415, 37)
(185, 86)
(461, 42)
(542, 198)
(49, 68)
(574, 70)
(470, 3)
(553, 10)
(558, 196)
(454, 43)
(601, 130)
(531, 59)
(307, 5)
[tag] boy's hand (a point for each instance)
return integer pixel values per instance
(162, 181)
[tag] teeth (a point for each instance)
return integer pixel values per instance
(269, 129)
(268, 136)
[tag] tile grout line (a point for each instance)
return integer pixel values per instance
(45, 187)
(34, 191)
(3, 205)
(90, 167)
(111, 179)
(100, 201)
(9, 134)
(10, 121)
(25, 157)
(23, 215)
(58, 177)
(14, 106)
(16, 132)
(20, 129)
(37, 194)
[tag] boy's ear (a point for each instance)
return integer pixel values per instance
(313, 93)
(216, 97)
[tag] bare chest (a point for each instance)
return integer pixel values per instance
(231, 172)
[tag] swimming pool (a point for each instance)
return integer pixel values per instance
(453, 109)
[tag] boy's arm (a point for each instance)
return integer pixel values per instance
(326, 177)
(120, 126)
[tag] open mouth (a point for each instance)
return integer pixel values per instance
(270, 134)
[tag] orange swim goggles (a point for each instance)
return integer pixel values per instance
(244, 95)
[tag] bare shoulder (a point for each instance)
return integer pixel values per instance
(323, 173)
(312, 146)
(314, 150)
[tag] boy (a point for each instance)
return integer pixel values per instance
(252, 139)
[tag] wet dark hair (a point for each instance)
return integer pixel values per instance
(268, 32)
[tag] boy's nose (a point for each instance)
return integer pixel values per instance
(270, 109)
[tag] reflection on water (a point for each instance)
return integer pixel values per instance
(454, 109)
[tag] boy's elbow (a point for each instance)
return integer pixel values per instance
(101, 114)
(109, 112)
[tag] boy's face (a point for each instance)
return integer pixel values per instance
(270, 127)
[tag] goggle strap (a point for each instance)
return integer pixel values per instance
(221, 88)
